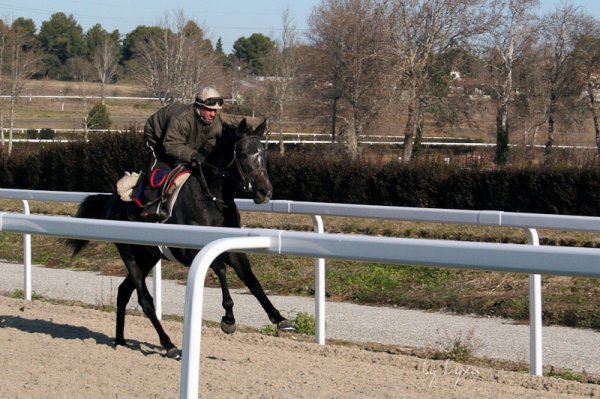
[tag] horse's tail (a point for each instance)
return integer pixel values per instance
(93, 207)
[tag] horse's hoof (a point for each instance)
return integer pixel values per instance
(286, 325)
(120, 342)
(174, 353)
(228, 328)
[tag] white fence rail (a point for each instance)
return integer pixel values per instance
(568, 261)
(304, 138)
(274, 137)
(528, 222)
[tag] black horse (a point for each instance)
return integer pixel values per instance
(206, 199)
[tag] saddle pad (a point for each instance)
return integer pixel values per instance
(177, 181)
(173, 190)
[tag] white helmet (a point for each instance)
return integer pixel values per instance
(209, 98)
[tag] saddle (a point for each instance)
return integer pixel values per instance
(130, 186)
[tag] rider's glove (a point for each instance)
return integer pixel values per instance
(196, 159)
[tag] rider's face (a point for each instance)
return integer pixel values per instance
(208, 114)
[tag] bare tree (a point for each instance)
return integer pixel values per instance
(506, 40)
(418, 31)
(348, 33)
(176, 63)
(4, 35)
(22, 61)
(284, 70)
(587, 56)
(81, 68)
(560, 31)
(105, 61)
(530, 105)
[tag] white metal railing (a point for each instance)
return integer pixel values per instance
(527, 221)
(569, 261)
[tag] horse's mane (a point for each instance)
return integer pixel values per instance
(229, 131)
(229, 135)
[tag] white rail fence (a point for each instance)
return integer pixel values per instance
(570, 261)
(288, 138)
(528, 222)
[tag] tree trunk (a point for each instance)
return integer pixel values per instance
(281, 144)
(2, 131)
(11, 124)
(334, 119)
(502, 134)
(550, 138)
(280, 125)
(592, 105)
(103, 92)
(409, 132)
(352, 137)
(419, 130)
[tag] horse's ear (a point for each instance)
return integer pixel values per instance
(243, 125)
(261, 129)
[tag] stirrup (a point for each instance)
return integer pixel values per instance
(152, 212)
(153, 215)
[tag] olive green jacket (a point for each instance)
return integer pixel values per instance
(175, 132)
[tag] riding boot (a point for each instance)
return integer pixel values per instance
(151, 213)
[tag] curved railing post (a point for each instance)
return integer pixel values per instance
(157, 288)
(319, 287)
(192, 319)
(26, 258)
(535, 313)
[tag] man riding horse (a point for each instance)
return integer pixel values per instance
(177, 134)
(237, 161)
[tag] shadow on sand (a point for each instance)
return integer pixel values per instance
(67, 331)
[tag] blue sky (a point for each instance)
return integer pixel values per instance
(228, 19)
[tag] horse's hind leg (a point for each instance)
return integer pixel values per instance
(241, 264)
(137, 276)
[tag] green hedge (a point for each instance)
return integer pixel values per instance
(535, 190)
(92, 166)
(321, 176)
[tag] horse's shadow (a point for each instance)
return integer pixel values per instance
(68, 331)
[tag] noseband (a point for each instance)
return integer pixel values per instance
(244, 176)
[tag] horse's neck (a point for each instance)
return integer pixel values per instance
(213, 182)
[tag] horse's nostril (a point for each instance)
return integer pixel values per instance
(262, 195)
(268, 192)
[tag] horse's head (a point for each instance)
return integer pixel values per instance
(249, 160)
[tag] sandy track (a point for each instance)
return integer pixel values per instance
(66, 352)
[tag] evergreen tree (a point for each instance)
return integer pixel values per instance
(254, 51)
(62, 38)
(219, 46)
(98, 117)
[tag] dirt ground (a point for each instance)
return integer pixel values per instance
(60, 351)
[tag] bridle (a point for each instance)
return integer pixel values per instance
(245, 177)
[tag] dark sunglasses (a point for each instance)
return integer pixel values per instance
(211, 102)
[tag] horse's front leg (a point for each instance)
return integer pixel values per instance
(228, 321)
(242, 267)
(123, 296)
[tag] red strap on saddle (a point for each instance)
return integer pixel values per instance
(158, 177)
